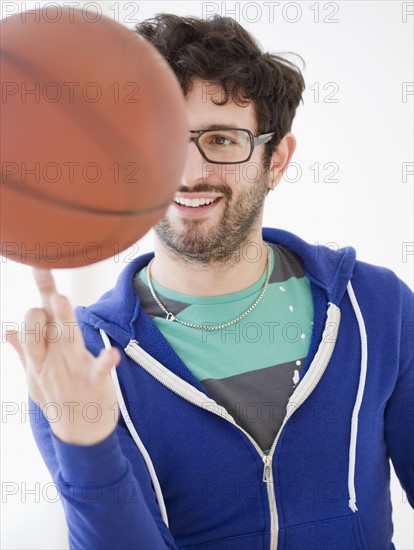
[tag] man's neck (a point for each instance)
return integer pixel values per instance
(212, 279)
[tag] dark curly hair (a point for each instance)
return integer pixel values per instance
(220, 51)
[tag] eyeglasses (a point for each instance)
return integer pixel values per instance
(227, 145)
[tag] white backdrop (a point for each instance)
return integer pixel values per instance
(350, 183)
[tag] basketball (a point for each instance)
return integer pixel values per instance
(93, 138)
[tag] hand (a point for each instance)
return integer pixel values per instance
(60, 370)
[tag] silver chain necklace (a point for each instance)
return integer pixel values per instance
(171, 317)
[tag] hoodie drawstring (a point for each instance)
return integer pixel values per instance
(135, 435)
(358, 399)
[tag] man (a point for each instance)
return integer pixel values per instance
(264, 383)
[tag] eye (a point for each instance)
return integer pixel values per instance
(221, 140)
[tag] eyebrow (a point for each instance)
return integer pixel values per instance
(221, 127)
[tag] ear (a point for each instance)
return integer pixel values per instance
(281, 158)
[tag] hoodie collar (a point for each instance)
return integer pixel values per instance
(118, 311)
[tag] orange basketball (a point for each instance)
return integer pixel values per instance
(93, 138)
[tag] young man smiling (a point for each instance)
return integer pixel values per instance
(198, 249)
(228, 439)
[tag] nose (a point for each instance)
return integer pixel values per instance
(196, 169)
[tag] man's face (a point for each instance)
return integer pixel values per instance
(216, 231)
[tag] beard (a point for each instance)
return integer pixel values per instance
(223, 242)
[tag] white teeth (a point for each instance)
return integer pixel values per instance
(194, 203)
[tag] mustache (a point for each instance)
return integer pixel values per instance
(207, 188)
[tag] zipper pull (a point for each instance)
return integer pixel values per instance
(267, 471)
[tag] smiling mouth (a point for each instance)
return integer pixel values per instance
(195, 203)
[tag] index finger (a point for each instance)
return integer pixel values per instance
(47, 288)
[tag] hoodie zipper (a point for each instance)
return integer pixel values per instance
(184, 390)
(322, 357)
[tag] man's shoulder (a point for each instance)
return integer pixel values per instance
(377, 275)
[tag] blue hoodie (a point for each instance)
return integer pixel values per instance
(179, 473)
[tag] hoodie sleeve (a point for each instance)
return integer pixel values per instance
(108, 500)
(399, 414)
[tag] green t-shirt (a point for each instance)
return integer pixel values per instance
(252, 367)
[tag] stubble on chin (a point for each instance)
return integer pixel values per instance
(221, 244)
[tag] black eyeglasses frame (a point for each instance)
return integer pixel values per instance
(254, 142)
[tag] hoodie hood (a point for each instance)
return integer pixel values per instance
(328, 268)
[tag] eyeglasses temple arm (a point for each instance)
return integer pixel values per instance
(264, 138)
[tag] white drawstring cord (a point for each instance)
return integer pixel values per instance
(358, 400)
(135, 435)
